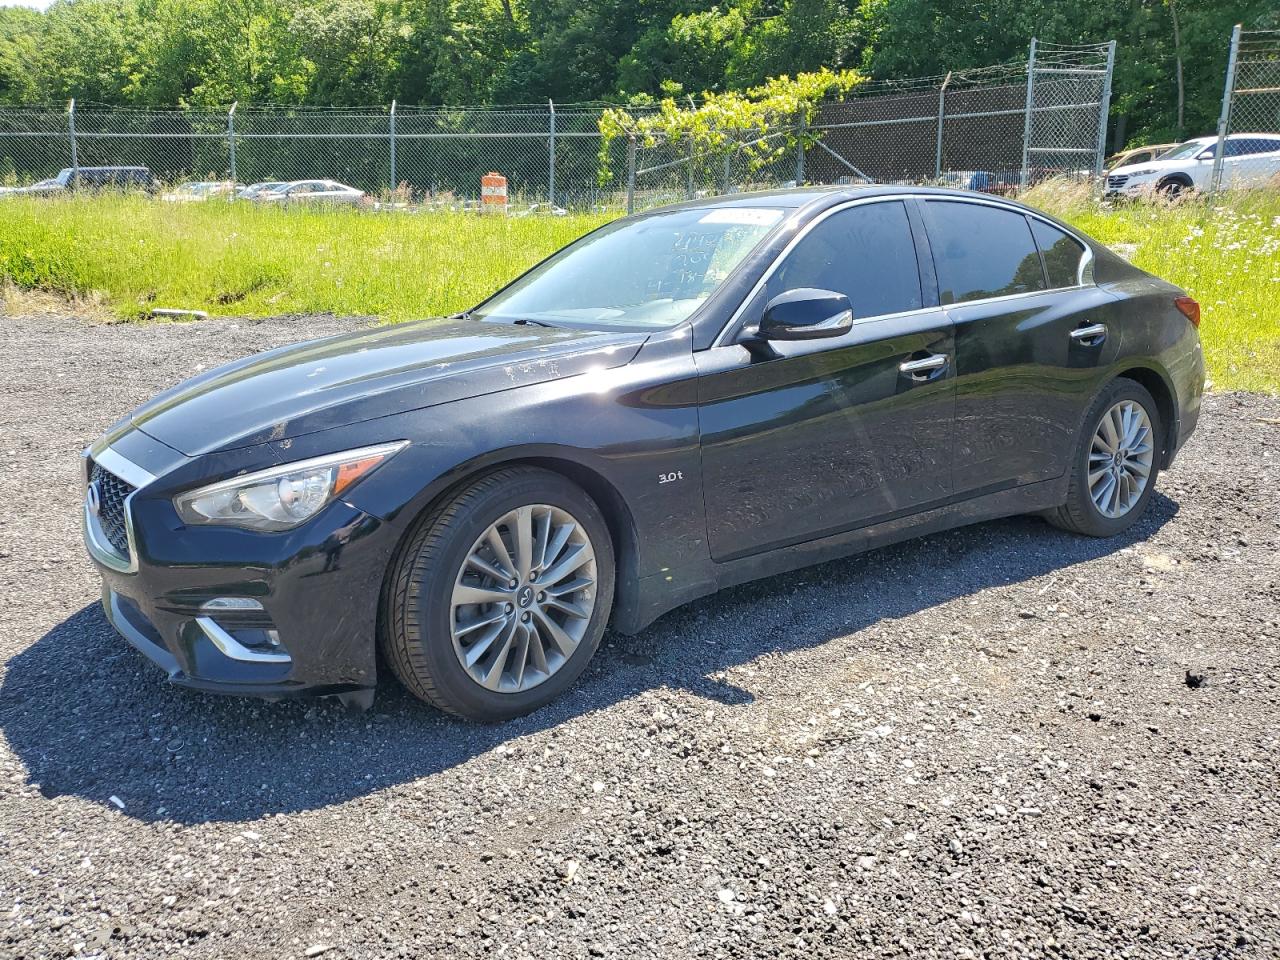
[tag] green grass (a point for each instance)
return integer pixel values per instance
(132, 254)
(242, 259)
(1225, 254)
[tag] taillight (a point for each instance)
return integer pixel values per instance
(1189, 308)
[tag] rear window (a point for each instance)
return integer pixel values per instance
(1062, 254)
(981, 251)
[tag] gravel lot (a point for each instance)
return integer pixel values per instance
(985, 743)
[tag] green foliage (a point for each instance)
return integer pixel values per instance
(731, 122)
(366, 52)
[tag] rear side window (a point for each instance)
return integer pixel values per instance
(1062, 254)
(981, 251)
(866, 252)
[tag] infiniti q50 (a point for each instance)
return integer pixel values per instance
(679, 401)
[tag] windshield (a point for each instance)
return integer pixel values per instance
(63, 177)
(652, 272)
(1189, 149)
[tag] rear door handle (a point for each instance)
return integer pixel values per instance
(925, 368)
(1090, 336)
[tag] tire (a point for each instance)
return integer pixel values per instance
(1081, 514)
(428, 631)
(1172, 188)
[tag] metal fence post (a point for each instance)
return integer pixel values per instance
(231, 140)
(71, 133)
(942, 113)
(1026, 123)
(391, 132)
(1104, 112)
(551, 155)
(689, 191)
(802, 127)
(1224, 119)
(631, 173)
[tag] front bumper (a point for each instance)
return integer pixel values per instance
(235, 611)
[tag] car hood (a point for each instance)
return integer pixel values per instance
(361, 376)
(1152, 166)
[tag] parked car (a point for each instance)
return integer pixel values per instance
(47, 186)
(254, 190)
(198, 191)
(1134, 155)
(92, 178)
(314, 192)
(677, 402)
(983, 181)
(1248, 159)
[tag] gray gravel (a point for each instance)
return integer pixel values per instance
(984, 743)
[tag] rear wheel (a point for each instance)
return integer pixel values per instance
(1115, 464)
(499, 598)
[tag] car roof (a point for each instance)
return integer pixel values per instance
(798, 197)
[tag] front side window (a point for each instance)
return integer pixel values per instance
(1062, 254)
(649, 273)
(866, 252)
(981, 251)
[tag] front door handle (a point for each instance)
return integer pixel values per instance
(924, 369)
(1090, 336)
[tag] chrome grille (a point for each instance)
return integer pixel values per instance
(1115, 183)
(112, 492)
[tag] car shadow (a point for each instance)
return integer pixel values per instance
(89, 717)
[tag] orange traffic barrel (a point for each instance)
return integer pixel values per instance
(493, 192)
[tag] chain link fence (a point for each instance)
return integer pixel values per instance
(994, 129)
(1250, 104)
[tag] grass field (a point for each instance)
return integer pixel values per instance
(133, 254)
(126, 255)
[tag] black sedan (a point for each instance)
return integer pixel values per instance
(680, 401)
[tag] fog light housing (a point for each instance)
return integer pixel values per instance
(236, 604)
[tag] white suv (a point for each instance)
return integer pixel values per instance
(1248, 159)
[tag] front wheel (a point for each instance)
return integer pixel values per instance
(500, 596)
(1115, 464)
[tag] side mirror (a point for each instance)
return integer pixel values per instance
(806, 314)
(1205, 155)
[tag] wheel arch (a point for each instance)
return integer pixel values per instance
(1157, 383)
(1180, 178)
(618, 516)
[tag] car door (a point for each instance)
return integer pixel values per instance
(828, 435)
(1032, 335)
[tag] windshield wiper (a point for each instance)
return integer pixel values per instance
(529, 321)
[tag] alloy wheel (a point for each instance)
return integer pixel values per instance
(523, 598)
(1120, 459)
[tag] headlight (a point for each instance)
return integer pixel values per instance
(282, 497)
(1143, 173)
